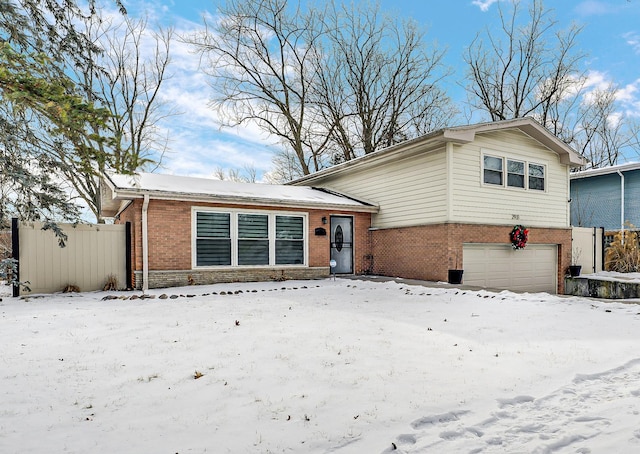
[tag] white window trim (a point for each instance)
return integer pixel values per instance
(234, 237)
(505, 172)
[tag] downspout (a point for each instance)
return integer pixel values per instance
(449, 164)
(621, 205)
(145, 245)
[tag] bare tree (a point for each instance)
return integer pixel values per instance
(124, 78)
(258, 54)
(377, 81)
(248, 174)
(533, 69)
(603, 132)
(526, 70)
(332, 84)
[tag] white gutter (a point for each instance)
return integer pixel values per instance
(621, 204)
(145, 245)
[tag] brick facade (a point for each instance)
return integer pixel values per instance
(422, 252)
(170, 254)
(428, 252)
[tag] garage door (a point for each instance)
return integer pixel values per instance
(532, 269)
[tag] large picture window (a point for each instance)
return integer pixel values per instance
(511, 173)
(248, 239)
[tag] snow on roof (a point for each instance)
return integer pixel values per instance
(125, 185)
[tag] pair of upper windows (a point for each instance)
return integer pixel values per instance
(513, 173)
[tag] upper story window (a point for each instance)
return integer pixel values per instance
(512, 173)
(248, 239)
(515, 174)
(536, 177)
(493, 170)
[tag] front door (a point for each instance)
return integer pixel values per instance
(342, 244)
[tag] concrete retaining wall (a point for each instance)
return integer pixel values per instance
(596, 288)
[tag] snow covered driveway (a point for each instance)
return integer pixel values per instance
(319, 366)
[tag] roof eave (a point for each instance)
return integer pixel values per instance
(458, 135)
(629, 167)
(132, 194)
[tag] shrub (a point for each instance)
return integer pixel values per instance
(623, 254)
(111, 284)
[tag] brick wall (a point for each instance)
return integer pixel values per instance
(428, 252)
(169, 236)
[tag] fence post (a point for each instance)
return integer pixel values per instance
(15, 254)
(128, 255)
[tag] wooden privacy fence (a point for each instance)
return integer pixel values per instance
(94, 253)
(588, 248)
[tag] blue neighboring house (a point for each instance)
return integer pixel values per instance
(597, 197)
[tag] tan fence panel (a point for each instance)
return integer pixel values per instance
(587, 248)
(91, 255)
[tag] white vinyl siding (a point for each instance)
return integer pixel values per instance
(421, 188)
(477, 202)
(409, 191)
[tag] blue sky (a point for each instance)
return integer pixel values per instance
(611, 38)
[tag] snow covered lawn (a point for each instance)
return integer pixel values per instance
(319, 366)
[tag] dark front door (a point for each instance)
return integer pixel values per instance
(342, 244)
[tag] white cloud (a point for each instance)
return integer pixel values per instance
(484, 5)
(597, 80)
(633, 40)
(593, 7)
(196, 144)
(629, 96)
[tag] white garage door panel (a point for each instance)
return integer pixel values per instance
(532, 269)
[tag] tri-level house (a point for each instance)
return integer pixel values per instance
(450, 199)
(446, 200)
